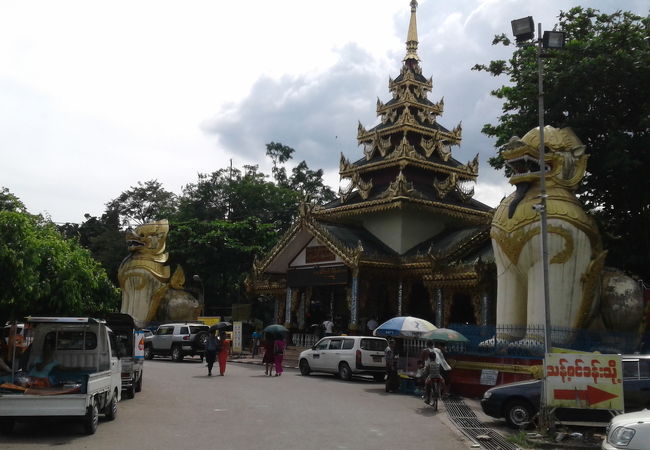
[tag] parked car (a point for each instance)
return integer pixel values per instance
(177, 340)
(346, 356)
(518, 402)
(629, 431)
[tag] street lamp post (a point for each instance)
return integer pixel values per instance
(524, 31)
(198, 279)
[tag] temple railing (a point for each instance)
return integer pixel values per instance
(529, 341)
(304, 339)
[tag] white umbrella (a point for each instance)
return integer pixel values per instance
(404, 326)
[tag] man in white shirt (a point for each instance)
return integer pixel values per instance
(329, 327)
(371, 325)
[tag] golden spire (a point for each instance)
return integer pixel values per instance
(412, 36)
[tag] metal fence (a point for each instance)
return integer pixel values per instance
(482, 340)
(304, 339)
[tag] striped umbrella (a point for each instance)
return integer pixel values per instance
(404, 326)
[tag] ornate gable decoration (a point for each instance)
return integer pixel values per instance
(401, 188)
(453, 183)
(405, 150)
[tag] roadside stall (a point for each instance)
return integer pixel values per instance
(407, 332)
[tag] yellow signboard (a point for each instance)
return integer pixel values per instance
(210, 320)
(584, 380)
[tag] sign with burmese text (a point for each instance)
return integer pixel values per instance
(584, 380)
(318, 253)
(317, 276)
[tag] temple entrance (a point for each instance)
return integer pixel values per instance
(419, 304)
(462, 310)
(328, 302)
(381, 307)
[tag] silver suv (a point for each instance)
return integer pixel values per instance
(345, 356)
(177, 340)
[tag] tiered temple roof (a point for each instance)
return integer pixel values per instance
(409, 204)
(408, 155)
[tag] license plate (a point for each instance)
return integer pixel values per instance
(376, 358)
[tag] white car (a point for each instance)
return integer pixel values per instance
(629, 431)
(346, 356)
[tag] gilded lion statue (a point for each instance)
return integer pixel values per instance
(576, 256)
(148, 292)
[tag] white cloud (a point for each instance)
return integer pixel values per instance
(96, 96)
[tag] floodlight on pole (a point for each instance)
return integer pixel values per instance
(523, 29)
(553, 40)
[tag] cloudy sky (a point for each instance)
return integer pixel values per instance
(96, 96)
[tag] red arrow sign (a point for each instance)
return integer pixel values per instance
(592, 394)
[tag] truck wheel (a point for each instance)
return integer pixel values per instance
(148, 352)
(130, 392)
(138, 385)
(7, 426)
(91, 420)
(177, 353)
(110, 412)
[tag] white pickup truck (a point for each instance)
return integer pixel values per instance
(70, 371)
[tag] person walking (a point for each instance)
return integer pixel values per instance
(278, 352)
(224, 351)
(268, 359)
(211, 350)
(392, 359)
(255, 343)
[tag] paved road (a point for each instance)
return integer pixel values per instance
(181, 407)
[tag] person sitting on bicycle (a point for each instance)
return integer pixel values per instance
(431, 374)
(440, 358)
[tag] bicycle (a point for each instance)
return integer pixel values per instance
(432, 392)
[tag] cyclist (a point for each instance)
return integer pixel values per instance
(431, 374)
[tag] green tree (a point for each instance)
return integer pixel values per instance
(279, 154)
(103, 237)
(146, 202)
(307, 183)
(45, 274)
(598, 85)
(9, 202)
(221, 252)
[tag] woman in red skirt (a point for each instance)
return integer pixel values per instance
(269, 355)
(224, 352)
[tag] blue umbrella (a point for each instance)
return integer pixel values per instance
(404, 326)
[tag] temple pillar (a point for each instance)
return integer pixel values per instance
(276, 309)
(400, 293)
(485, 308)
(354, 302)
(287, 309)
(301, 311)
(437, 293)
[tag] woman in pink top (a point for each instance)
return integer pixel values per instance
(278, 351)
